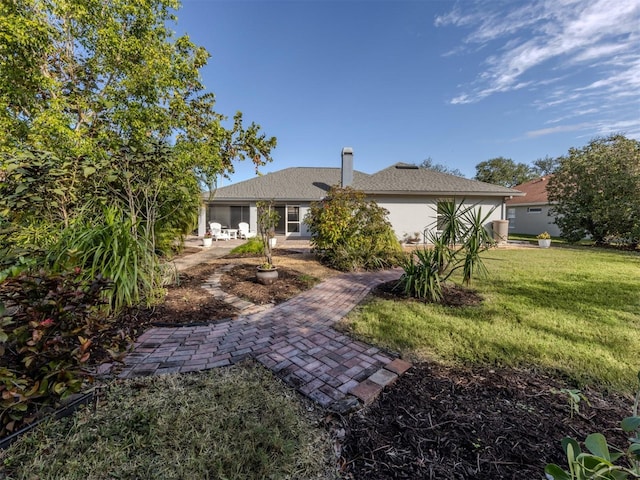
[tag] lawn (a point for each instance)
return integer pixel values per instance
(232, 423)
(573, 312)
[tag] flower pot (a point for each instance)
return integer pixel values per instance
(207, 241)
(266, 276)
(544, 242)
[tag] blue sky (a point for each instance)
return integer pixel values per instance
(400, 81)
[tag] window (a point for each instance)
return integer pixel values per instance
(293, 219)
(511, 216)
(534, 209)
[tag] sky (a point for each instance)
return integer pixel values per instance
(401, 81)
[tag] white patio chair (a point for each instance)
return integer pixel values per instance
(243, 231)
(217, 233)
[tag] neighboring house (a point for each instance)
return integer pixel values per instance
(530, 214)
(409, 193)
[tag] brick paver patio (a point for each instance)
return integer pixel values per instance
(294, 339)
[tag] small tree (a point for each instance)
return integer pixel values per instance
(268, 219)
(348, 232)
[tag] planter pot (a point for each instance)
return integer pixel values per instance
(272, 242)
(544, 242)
(266, 276)
(207, 242)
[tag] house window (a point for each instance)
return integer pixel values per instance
(293, 219)
(511, 216)
(534, 209)
(238, 213)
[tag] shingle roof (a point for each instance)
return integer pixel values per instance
(313, 183)
(403, 178)
(535, 192)
(296, 183)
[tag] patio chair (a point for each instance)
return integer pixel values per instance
(243, 231)
(217, 233)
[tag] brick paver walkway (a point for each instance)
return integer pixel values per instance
(294, 339)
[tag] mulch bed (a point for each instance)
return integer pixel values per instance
(189, 304)
(452, 295)
(439, 422)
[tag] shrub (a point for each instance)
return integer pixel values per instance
(349, 233)
(252, 245)
(49, 325)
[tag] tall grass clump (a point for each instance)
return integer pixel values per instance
(116, 248)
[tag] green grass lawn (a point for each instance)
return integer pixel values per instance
(569, 311)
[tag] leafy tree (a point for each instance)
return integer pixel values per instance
(595, 191)
(429, 164)
(102, 107)
(545, 166)
(503, 171)
(349, 232)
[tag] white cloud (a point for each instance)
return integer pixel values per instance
(590, 49)
(558, 129)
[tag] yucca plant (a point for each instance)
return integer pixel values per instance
(460, 240)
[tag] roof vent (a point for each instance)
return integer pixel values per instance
(406, 166)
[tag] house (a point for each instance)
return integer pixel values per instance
(530, 213)
(409, 193)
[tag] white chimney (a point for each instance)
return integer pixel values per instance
(347, 167)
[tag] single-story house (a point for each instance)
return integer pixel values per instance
(530, 213)
(409, 193)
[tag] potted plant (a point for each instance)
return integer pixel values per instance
(268, 218)
(544, 240)
(412, 239)
(207, 240)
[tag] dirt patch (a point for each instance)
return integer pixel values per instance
(482, 423)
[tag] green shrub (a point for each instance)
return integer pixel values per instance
(116, 248)
(253, 246)
(350, 233)
(48, 327)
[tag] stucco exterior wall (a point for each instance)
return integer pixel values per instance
(417, 214)
(531, 223)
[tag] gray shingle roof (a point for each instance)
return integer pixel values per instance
(296, 183)
(403, 178)
(313, 183)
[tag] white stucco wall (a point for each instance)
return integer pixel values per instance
(415, 214)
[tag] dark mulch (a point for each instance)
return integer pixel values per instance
(187, 303)
(452, 295)
(441, 422)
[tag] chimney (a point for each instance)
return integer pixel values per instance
(347, 167)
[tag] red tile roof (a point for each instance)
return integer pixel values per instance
(535, 192)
